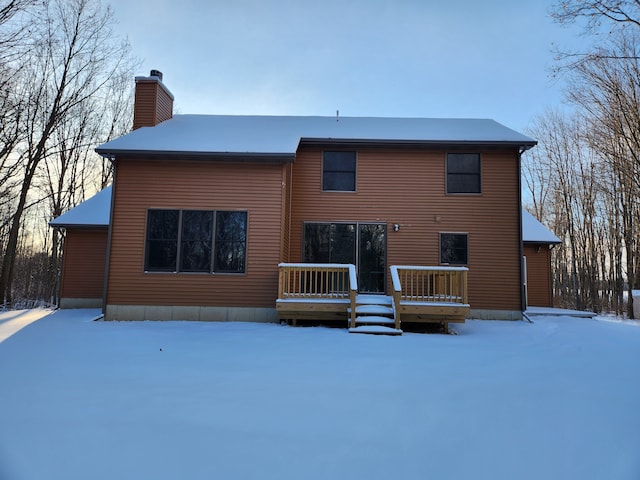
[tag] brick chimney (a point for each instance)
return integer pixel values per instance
(153, 103)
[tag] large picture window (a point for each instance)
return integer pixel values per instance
(339, 171)
(196, 241)
(453, 249)
(463, 173)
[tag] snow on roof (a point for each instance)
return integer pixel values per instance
(281, 135)
(535, 232)
(94, 212)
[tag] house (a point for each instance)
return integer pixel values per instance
(205, 207)
(537, 242)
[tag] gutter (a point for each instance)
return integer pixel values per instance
(277, 157)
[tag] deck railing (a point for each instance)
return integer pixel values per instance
(318, 281)
(429, 284)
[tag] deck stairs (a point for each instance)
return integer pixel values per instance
(374, 315)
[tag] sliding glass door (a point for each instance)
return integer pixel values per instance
(363, 244)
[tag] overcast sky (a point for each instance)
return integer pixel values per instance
(403, 58)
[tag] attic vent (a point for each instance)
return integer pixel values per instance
(156, 73)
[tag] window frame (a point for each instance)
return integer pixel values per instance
(449, 174)
(466, 249)
(213, 243)
(148, 250)
(333, 171)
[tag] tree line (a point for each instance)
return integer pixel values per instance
(65, 87)
(583, 179)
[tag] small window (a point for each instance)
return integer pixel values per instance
(162, 240)
(339, 171)
(463, 173)
(453, 248)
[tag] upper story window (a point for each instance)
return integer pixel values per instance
(196, 241)
(339, 171)
(463, 173)
(454, 249)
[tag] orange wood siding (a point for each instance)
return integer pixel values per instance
(538, 275)
(83, 264)
(198, 185)
(407, 187)
(153, 104)
(286, 213)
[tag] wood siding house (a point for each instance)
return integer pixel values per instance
(85, 252)
(537, 244)
(205, 207)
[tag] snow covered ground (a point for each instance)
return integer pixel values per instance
(556, 399)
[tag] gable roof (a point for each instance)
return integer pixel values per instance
(94, 212)
(535, 232)
(278, 137)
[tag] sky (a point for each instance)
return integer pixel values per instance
(397, 58)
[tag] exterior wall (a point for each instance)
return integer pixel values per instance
(83, 265)
(408, 188)
(539, 291)
(207, 185)
(286, 214)
(153, 103)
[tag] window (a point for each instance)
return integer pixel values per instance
(231, 242)
(162, 240)
(463, 173)
(453, 248)
(339, 171)
(195, 247)
(196, 241)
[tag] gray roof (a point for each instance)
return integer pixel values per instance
(535, 232)
(94, 212)
(279, 136)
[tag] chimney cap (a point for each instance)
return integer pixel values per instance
(156, 73)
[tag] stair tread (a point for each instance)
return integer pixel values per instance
(374, 319)
(376, 330)
(373, 309)
(366, 299)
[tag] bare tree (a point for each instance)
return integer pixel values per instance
(77, 56)
(571, 192)
(597, 13)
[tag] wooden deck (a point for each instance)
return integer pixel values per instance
(430, 294)
(315, 291)
(329, 292)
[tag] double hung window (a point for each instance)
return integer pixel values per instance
(339, 171)
(454, 249)
(463, 173)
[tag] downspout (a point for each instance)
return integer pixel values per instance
(105, 284)
(523, 306)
